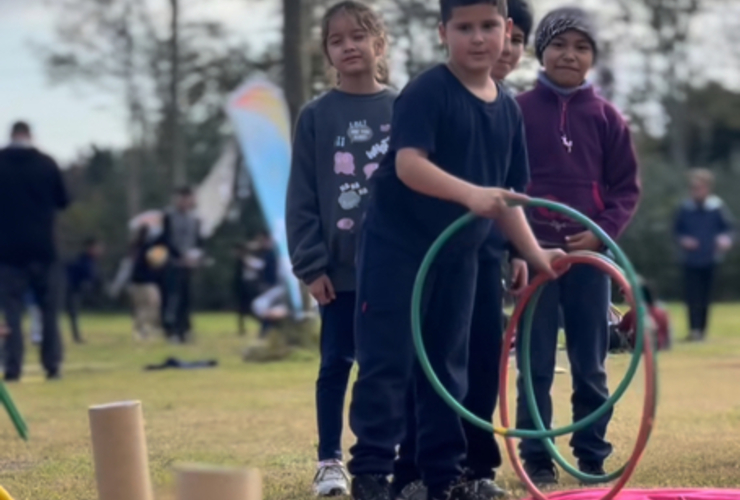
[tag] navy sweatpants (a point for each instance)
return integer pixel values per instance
(387, 368)
(583, 293)
(486, 336)
(486, 332)
(698, 286)
(337, 356)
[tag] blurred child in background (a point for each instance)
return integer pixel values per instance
(82, 277)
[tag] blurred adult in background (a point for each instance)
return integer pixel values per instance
(32, 191)
(82, 277)
(181, 236)
(703, 229)
(149, 257)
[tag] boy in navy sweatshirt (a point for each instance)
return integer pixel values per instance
(581, 154)
(455, 137)
(483, 455)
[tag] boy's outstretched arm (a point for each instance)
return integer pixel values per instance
(513, 223)
(418, 173)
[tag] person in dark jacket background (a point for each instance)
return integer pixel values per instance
(703, 229)
(181, 235)
(32, 191)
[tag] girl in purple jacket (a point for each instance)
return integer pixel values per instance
(581, 154)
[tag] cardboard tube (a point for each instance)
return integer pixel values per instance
(120, 452)
(201, 482)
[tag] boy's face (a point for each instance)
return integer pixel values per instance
(568, 59)
(185, 203)
(700, 189)
(474, 36)
(97, 250)
(510, 56)
(351, 49)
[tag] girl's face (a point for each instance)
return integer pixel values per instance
(475, 36)
(568, 59)
(351, 49)
(511, 55)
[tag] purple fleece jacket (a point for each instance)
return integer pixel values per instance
(580, 154)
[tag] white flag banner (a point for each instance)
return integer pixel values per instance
(215, 193)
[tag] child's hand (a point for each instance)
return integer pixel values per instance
(322, 290)
(491, 202)
(689, 243)
(724, 243)
(519, 276)
(543, 261)
(583, 241)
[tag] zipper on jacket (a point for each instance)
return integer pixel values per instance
(567, 142)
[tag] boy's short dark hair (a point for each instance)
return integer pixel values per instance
(446, 7)
(20, 128)
(184, 191)
(521, 15)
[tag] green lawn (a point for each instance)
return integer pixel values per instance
(263, 415)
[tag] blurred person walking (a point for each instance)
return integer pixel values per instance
(32, 191)
(703, 228)
(181, 235)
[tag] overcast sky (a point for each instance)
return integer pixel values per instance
(67, 120)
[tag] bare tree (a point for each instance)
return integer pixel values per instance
(179, 172)
(295, 55)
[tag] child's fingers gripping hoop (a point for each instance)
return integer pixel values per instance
(627, 277)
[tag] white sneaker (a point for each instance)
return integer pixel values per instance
(331, 479)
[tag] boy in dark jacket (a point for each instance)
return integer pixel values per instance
(581, 154)
(703, 230)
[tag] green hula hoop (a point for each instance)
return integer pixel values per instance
(622, 264)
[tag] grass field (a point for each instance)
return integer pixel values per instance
(263, 415)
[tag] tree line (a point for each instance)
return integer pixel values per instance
(172, 79)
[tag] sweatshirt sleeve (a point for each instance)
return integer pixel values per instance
(308, 252)
(726, 221)
(679, 226)
(621, 176)
(61, 195)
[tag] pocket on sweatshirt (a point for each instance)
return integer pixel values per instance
(581, 195)
(344, 249)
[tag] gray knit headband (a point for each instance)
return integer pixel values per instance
(558, 22)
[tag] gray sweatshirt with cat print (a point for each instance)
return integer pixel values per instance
(339, 141)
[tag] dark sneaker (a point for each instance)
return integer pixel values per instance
(542, 473)
(466, 490)
(413, 491)
(487, 489)
(371, 488)
(592, 469)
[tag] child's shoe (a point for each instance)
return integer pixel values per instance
(331, 479)
(371, 488)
